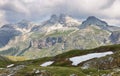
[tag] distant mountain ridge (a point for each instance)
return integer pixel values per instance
(56, 35)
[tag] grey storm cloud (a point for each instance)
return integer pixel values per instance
(35, 10)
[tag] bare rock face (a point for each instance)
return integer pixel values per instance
(48, 42)
(53, 19)
(91, 20)
(108, 62)
(115, 37)
(24, 24)
(62, 19)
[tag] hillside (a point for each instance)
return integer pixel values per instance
(107, 64)
(4, 61)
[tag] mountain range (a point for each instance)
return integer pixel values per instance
(56, 35)
(60, 46)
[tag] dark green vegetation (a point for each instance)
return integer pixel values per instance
(4, 61)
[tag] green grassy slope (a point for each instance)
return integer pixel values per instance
(62, 71)
(62, 66)
(62, 59)
(4, 61)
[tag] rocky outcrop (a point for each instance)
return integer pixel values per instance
(46, 43)
(91, 20)
(115, 37)
(108, 62)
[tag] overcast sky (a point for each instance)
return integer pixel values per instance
(36, 10)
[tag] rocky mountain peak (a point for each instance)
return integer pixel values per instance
(8, 26)
(62, 19)
(92, 20)
(53, 19)
(23, 24)
(58, 19)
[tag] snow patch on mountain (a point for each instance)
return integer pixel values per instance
(79, 59)
(47, 63)
(9, 66)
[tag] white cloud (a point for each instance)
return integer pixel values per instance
(2, 18)
(114, 10)
(112, 21)
(16, 10)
